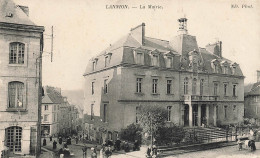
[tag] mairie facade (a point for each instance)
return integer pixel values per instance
(197, 86)
(21, 45)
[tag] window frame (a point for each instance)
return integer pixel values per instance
(155, 86)
(186, 85)
(234, 90)
(169, 113)
(23, 95)
(139, 85)
(194, 86)
(18, 53)
(168, 86)
(215, 88)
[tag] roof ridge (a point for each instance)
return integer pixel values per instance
(157, 39)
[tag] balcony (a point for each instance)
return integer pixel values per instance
(188, 98)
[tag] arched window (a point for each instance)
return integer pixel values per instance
(13, 138)
(201, 86)
(194, 86)
(16, 55)
(15, 94)
(186, 82)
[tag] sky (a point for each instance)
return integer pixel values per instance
(83, 28)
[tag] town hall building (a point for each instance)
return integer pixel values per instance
(197, 86)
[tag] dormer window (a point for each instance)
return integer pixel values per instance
(225, 70)
(107, 59)
(225, 66)
(155, 60)
(139, 56)
(169, 62)
(94, 64)
(215, 68)
(215, 65)
(233, 68)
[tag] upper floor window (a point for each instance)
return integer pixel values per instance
(215, 68)
(46, 107)
(46, 117)
(215, 92)
(16, 94)
(92, 112)
(107, 59)
(201, 86)
(155, 84)
(105, 87)
(225, 89)
(16, 55)
(169, 62)
(94, 64)
(92, 87)
(169, 113)
(225, 70)
(139, 85)
(155, 60)
(139, 58)
(169, 87)
(225, 111)
(186, 82)
(194, 86)
(234, 90)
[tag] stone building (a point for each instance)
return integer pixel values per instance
(21, 45)
(252, 102)
(51, 102)
(195, 85)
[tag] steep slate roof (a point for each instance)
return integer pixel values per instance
(17, 14)
(52, 96)
(180, 45)
(255, 90)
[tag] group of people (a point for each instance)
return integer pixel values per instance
(248, 143)
(152, 151)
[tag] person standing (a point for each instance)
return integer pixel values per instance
(84, 150)
(54, 144)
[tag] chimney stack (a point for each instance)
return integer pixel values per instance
(215, 48)
(139, 33)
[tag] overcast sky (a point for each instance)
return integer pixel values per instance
(83, 28)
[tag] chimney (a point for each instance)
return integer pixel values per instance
(45, 90)
(139, 33)
(25, 9)
(215, 48)
(258, 75)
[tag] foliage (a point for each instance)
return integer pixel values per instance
(131, 133)
(168, 135)
(151, 118)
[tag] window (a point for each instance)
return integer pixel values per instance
(186, 85)
(45, 118)
(139, 58)
(13, 138)
(201, 86)
(107, 60)
(169, 86)
(155, 60)
(105, 87)
(155, 83)
(194, 86)
(215, 93)
(225, 111)
(256, 99)
(215, 68)
(92, 112)
(46, 107)
(16, 55)
(225, 70)
(169, 113)
(92, 87)
(16, 94)
(225, 89)
(169, 62)
(234, 90)
(139, 85)
(105, 113)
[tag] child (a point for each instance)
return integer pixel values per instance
(239, 142)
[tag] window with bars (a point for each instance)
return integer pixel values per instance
(155, 85)
(169, 87)
(13, 138)
(16, 55)
(16, 94)
(139, 85)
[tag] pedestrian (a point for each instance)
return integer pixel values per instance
(93, 153)
(84, 150)
(44, 142)
(54, 144)
(148, 152)
(50, 138)
(154, 151)
(60, 140)
(61, 153)
(117, 144)
(239, 143)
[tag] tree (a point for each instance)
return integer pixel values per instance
(131, 133)
(151, 118)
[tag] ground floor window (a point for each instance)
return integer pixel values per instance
(13, 138)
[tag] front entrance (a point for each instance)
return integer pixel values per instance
(13, 139)
(195, 115)
(203, 115)
(186, 115)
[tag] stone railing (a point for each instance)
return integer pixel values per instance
(199, 98)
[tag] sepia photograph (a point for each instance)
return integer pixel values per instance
(129, 79)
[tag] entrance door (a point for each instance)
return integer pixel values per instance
(203, 114)
(186, 115)
(195, 115)
(13, 141)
